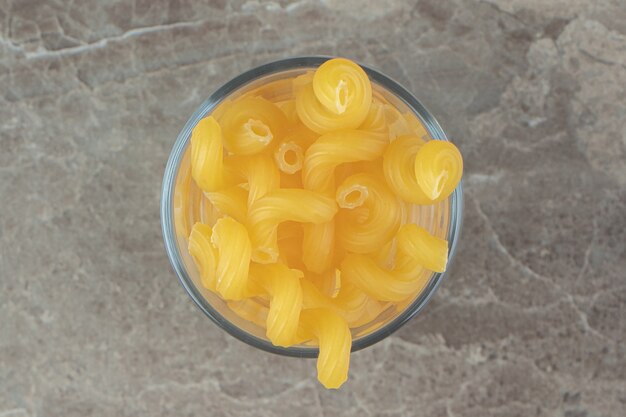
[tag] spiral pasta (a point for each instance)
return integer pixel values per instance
(399, 169)
(309, 183)
(207, 154)
(250, 124)
(283, 287)
(438, 169)
(231, 240)
(266, 213)
(335, 342)
(333, 149)
(406, 278)
(364, 229)
(259, 172)
(338, 97)
(204, 254)
(427, 250)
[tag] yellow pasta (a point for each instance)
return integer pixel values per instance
(338, 97)
(318, 246)
(207, 154)
(303, 189)
(258, 171)
(399, 169)
(283, 287)
(333, 149)
(288, 157)
(438, 169)
(231, 240)
(231, 201)
(335, 342)
(204, 254)
(406, 278)
(250, 124)
(266, 213)
(429, 251)
(377, 219)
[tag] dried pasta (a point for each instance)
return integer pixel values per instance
(232, 244)
(250, 124)
(333, 149)
(399, 169)
(204, 254)
(338, 97)
(283, 287)
(401, 282)
(438, 169)
(374, 217)
(258, 172)
(303, 196)
(207, 154)
(335, 342)
(266, 213)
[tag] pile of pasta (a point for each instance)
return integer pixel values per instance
(313, 188)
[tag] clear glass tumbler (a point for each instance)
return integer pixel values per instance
(182, 205)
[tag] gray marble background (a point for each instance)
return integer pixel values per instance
(532, 320)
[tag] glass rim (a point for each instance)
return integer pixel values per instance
(167, 212)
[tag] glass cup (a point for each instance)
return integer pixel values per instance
(182, 204)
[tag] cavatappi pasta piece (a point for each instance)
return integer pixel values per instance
(438, 169)
(318, 246)
(266, 213)
(378, 282)
(374, 222)
(427, 250)
(258, 171)
(333, 149)
(250, 124)
(338, 97)
(289, 157)
(231, 201)
(399, 169)
(207, 154)
(204, 254)
(406, 278)
(283, 287)
(335, 342)
(231, 240)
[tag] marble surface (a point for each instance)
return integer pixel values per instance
(532, 320)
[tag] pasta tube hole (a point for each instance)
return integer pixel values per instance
(289, 157)
(259, 129)
(352, 197)
(341, 96)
